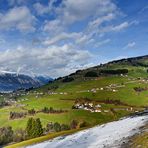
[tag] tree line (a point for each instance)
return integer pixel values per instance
(35, 129)
(51, 110)
(16, 115)
(114, 71)
(32, 112)
(106, 71)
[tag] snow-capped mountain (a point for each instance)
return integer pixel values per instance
(43, 79)
(10, 81)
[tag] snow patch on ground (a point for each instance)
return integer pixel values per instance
(110, 135)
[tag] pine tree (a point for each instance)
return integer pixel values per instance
(64, 127)
(74, 124)
(37, 128)
(29, 127)
(34, 128)
(57, 127)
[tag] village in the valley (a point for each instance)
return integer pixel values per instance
(91, 106)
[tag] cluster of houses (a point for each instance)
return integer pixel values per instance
(10, 101)
(144, 81)
(88, 106)
(18, 93)
(38, 94)
(114, 87)
(14, 102)
(133, 80)
(24, 99)
(10, 98)
(111, 87)
(123, 75)
(57, 93)
(96, 108)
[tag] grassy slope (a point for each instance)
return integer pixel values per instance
(140, 140)
(125, 94)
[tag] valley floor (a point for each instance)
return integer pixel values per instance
(110, 135)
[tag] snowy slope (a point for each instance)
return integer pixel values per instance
(110, 135)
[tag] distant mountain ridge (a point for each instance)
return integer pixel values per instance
(139, 59)
(139, 67)
(10, 81)
(43, 79)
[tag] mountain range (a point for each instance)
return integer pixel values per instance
(10, 81)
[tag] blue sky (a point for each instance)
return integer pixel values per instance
(57, 37)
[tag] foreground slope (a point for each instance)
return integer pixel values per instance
(112, 134)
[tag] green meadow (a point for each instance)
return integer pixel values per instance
(104, 90)
(125, 94)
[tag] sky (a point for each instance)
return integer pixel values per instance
(58, 37)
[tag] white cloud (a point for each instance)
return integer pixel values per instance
(19, 18)
(44, 9)
(2, 41)
(40, 9)
(45, 60)
(104, 42)
(97, 22)
(96, 12)
(71, 11)
(143, 9)
(83, 39)
(53, 27)
(130, 45)
(78, 10)
(16, 2)
(60, 50)
(114, 28)
(95, 26)
(120, 27)
(61, 37)
(95, 29)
